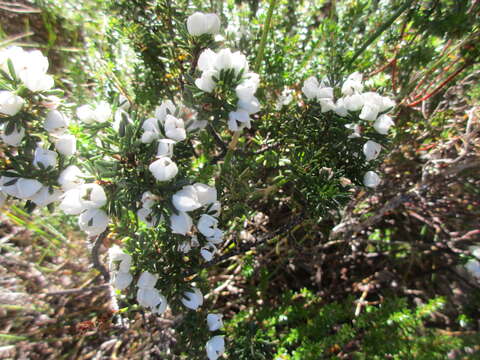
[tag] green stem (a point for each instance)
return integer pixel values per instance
(380, 30)
(263, 41)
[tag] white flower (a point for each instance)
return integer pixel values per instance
(10, 104)
(151, 130)
(186, 199)
(285, 98)
(215, 347)
(371, 149)
(207, 225)
(181, 223)
(165, 108)
(101, 113)
(208, 251)
(20, 188)
(161, 307)
(239, 119)
(45, 158)
(92, 196)
(71, 178)
(215, 208)
(184, 247)
(356, 130)
(327, 104)
(353, 84)
(163, 169)
(120, 117)
(46, 196)
(369, 112)
(71, 204)
(93, 221)
(340, 108)
(145, 215)
(214, 321)
(147, 280)
(200, 23)
(217, 237)
(247, 88)
(175, 128)
(371, 179)
(205, 194)
(55, 122)
(66, 145)
(310, 87)
(15, 137)
(36, 81)
(382, 124)
(192, 299)
(205, 82)
(116, 254)
(251, 105)
(86, 114)
(121, 280)
(149, 199)
(148, 297)
(354, 102)
(197, 125)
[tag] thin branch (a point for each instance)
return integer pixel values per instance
(96, 256)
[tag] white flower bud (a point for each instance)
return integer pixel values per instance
(371, 179)
(383, 124)
(163, 169)
(215, 347)
(93, 221)
(200, 23)
(192, 299)
(10, 104)
(66, 145)
(239, 119)
(55, 122)
(214, 321)
(86, 114)
(371, 149)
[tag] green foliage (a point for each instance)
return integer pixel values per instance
(302, 326)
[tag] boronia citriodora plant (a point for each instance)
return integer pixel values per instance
(137, 177)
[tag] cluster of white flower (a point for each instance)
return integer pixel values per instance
(85, 200)
(370, 105)
(30, 68)
(148, 296)
(211, 64)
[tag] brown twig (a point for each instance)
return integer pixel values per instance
(96, 256)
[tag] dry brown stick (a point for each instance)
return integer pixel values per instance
(76, 290)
